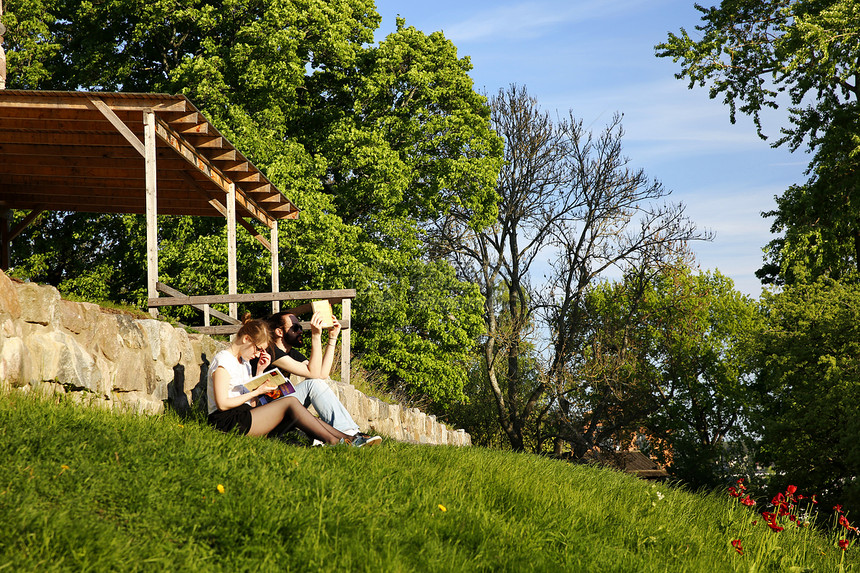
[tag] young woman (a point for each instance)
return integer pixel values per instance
(231, 405)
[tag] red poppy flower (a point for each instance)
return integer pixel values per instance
(747, 501)
(791, 489)
(843, 521)
(837, 508)
(770, 519)
(736, 543)
(733, 492)
(843, 544)
(778, 500)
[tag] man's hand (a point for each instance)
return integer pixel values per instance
(316, 324)
(334, 331)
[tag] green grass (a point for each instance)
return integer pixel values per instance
(88, 490)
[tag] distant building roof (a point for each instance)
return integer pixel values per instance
(634, 462)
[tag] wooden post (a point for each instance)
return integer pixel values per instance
(5, 238)
(151, 207)
(276, 278)
(2, 52)
(232, 283)
(346, 315)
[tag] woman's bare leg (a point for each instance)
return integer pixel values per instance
(265, 418)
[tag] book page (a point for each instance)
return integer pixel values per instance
(281, 391)
(271, 378)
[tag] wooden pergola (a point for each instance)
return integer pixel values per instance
(145, 154)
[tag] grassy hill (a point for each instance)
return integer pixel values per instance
(88, 490)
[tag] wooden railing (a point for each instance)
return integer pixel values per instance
(343, 297)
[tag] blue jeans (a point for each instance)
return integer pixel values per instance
(316, 392)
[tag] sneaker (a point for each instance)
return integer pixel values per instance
(360, 441)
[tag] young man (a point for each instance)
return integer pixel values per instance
(287, 334)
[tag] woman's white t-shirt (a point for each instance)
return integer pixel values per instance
(240, 372)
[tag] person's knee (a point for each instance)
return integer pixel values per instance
(317, 386)
(289, 402)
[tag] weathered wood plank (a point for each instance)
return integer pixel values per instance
(120, 125)
(336, 295)
(168, 290)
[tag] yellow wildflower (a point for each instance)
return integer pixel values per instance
(442, 507)
(220, 488)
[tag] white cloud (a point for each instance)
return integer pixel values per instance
(530, 19)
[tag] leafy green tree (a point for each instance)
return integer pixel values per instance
(810, 389)
(754, 54)
(665, 365)
(819, 221)
(707, 344)
(371, 141)
(751, 52)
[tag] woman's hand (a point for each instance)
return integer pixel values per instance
(262, 389)
(263, 361)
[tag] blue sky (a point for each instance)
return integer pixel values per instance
(596, 57)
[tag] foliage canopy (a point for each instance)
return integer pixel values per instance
(755, 54)
(808, 385)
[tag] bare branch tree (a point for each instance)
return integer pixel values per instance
(568, 198)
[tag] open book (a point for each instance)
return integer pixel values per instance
(281, 387)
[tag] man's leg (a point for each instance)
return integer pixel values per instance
(325, 402)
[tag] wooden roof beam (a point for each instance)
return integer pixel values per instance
(80, 100)
(76, 152)
(186, 150)
(119, 124)
(23, 223)
(21, 183)
(79, 139)
(223, 155)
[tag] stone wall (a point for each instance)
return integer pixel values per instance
(111, 359)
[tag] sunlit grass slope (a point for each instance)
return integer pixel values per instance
(88, 490)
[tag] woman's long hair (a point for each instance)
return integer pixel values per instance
(257, 330)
